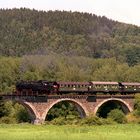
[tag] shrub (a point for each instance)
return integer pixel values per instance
(107, 121)
(117, 115)
(58, 121)
(8, 120)
(137, 105)
(94, 120)
(64, 121)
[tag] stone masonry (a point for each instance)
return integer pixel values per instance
(39, 106)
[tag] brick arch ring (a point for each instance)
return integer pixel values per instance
(80, 107)
(122, 102)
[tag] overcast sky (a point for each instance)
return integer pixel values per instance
(127, 11)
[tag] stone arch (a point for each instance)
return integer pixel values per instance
(125, 106)
(28, 106)
(80, 107)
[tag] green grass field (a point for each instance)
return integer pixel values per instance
(49, 132)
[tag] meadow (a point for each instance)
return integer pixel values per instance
(52, 132)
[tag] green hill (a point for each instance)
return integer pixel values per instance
(29, 32)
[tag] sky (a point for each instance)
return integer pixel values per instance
(127, 11)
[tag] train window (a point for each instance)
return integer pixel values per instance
(89, 86)
(78, 86)
(128, 86)
(97, 86)
(113, 86)
(61, 85)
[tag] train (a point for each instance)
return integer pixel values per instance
(43, 87)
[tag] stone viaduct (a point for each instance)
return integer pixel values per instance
(38, 106)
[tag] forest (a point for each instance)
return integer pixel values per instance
(32, 32)
(64, 46)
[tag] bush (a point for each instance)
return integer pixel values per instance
(64, 121)
(117, 116)
(107, 121)
(137, 105)
(91, 120)
(58, 121)
(8, 120)
(21, 114)
(94, 120)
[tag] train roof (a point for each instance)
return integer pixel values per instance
(104, 83)
(81, 83)
(74, 83)
(130, 84)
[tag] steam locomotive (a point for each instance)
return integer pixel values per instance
(42, 87)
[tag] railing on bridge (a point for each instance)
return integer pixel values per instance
(45, 98)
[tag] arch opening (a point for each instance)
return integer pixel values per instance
(109, 105)
(18, 111)
(66, 109)
(29, 110)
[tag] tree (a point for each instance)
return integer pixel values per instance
(117, 115)
(137, 105)
(3, 110)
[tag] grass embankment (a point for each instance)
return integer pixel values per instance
(49, 132)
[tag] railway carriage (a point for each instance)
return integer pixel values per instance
(131, 87)
(72, 87)
(104, 87)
